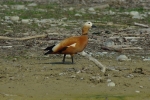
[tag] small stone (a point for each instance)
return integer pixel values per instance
(32, 4)
(111, 12)
(91, 9)
(139, 70)
(26, 34)
(110, 23)
(134, 13)
(73, 76)
(5, 6)
(109, 43)
(93, 13)
(126, 13)
(102, 6)
(78, 72)
(14, 59)
(71, 9)
(130, 76)
(102, 53)
(108, 80)
(18, 7)
(78, 15)
(60, 74)
(122, 58)
(96, 79)
(82, 11)
(141, 86)
(53, 25)
(46, 77)
(111, 84)
(42, 10)
(25, 21)
(146, 59)
(14, 18)
(137, 91)
(7, 17)
(11, 78)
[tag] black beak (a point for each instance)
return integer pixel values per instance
(93, 26)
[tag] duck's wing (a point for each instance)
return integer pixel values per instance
(63, 45)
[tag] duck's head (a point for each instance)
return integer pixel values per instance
(86, 27)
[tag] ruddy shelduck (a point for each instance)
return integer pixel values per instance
(71, 45)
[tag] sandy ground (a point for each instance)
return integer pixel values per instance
(46, 78)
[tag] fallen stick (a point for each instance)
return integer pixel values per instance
(133, 48)
(117, 25)
(11, 46)
(142, 25)
(116, 49)
(6, 46)
(134, 38)
(99, 64)
(24, 38)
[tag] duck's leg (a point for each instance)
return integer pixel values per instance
(64, 58)
(72, 58)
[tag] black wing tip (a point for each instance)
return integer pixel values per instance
(46, 49)
(49, 48)
(49, 52)
(46, 53)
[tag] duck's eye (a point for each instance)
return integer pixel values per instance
(89, 23)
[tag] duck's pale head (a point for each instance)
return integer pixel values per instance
(86, 27)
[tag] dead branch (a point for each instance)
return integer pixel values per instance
(117, 25)
(83, 2)
(116, 49)
(142, 25)
(24, 38)
(6, 46)
(99, 64)
(133, 48)
(134, 38)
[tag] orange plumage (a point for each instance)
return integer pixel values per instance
(71, 45)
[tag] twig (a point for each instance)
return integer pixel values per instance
(133, 48)
(6, 46)
(142, 25)
(7, 94)
(117, 25)
(24, 38)
(134, 38)
(99, 64)
(83, 2)
(113, 48)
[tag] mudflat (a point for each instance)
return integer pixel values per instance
(46, 78)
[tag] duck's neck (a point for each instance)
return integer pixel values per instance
(85, 31)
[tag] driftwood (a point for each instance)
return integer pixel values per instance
(116, 49)
(142, 25)
(117, 37)
(133, 48)
(83, 2)
(99, 64)
(134, 38)
(6, 46)
(117, 25)
(24, 38)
